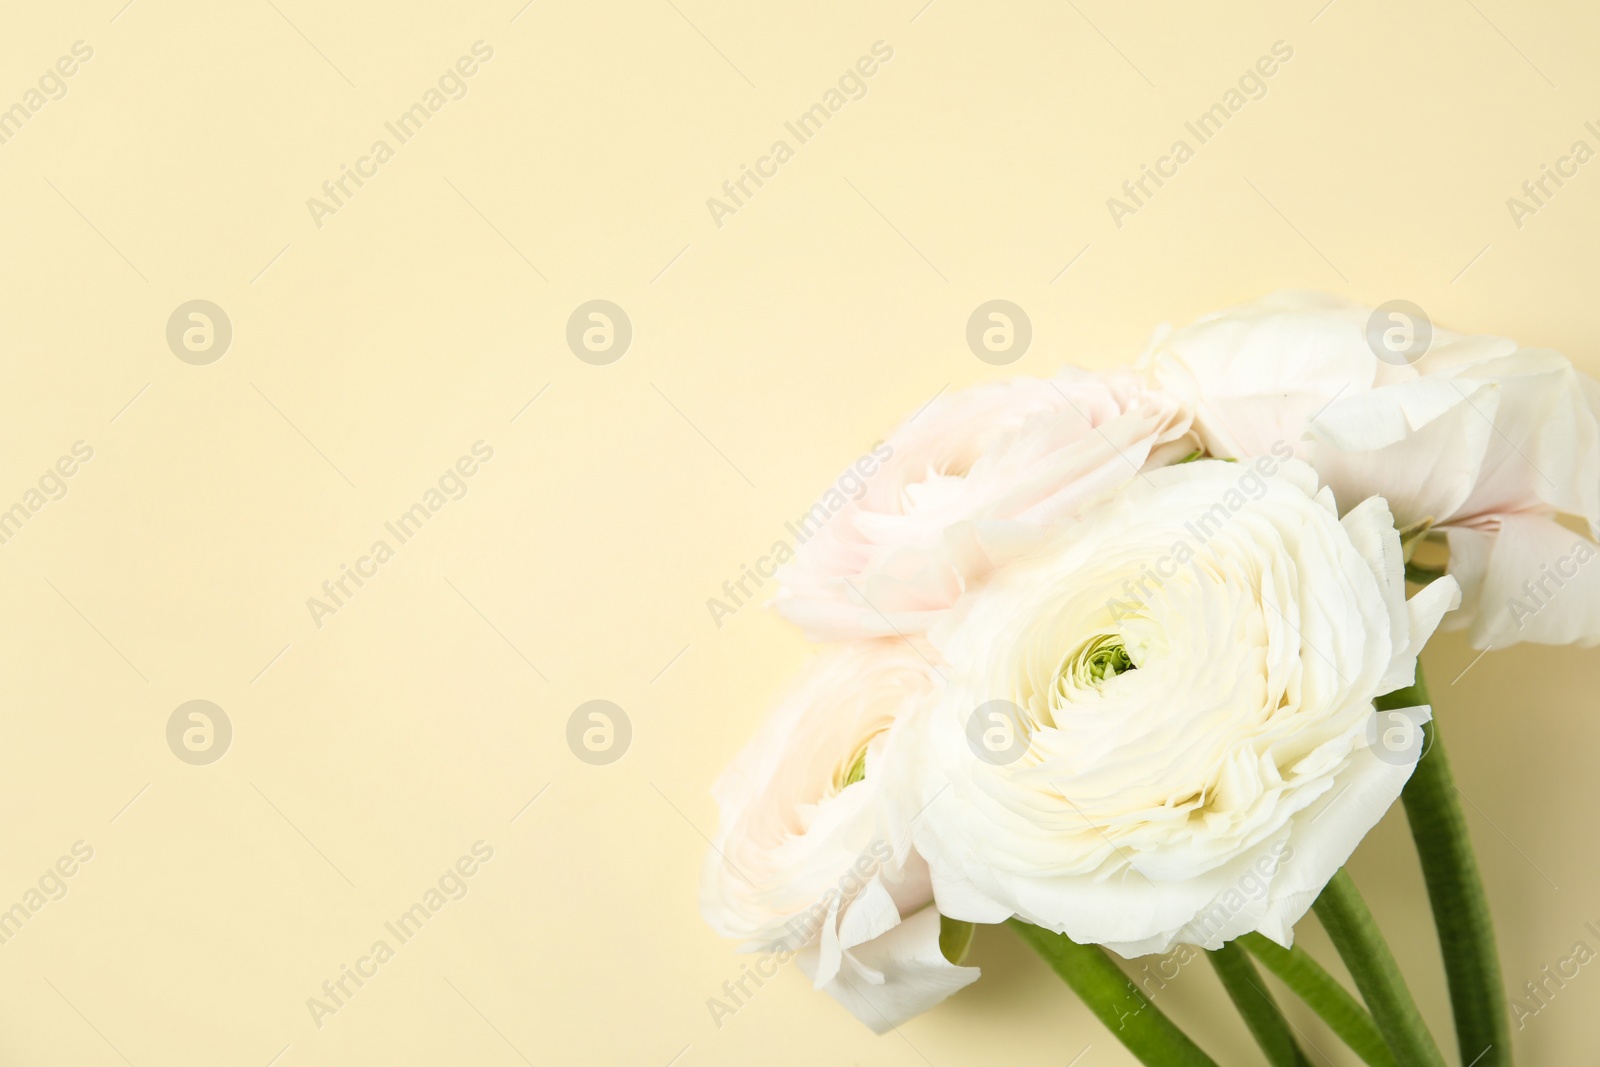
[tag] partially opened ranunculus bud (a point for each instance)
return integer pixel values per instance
(1160, 729)
(812, 858)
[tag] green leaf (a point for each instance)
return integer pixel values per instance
(955, 939)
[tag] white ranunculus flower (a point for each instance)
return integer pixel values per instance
(1498, 445)
(1190, 672)
(972, 481)
(812, 857)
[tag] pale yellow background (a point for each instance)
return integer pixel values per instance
(370, 353)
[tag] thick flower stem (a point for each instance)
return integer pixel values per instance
(1260, 1011)
(1324, 995)
(1455, 891)
(1350, 927)
(1115, 1001)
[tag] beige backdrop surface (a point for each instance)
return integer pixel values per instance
(376, 340)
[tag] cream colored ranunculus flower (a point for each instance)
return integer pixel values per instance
(1499, 446)
(971, 481)
(1159, 730)
(812, 858)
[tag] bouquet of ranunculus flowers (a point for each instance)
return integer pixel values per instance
(1126, 660)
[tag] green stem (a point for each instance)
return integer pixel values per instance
(1260, 1011)
(1455, 891)
(1115, 1001)
(1324, 995)
(1350, 927)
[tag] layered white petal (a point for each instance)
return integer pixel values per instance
(1209, 787)
(895, 976)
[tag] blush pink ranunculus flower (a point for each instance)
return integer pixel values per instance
(975, 479)
(812, 859)
(1498, 446)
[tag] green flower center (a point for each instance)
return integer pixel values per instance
(1101, 658)
(858, 769)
